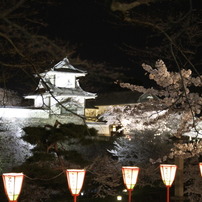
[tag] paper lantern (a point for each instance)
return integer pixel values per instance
(12, 185)
(75, 179)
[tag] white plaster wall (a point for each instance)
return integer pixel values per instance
(38, 102)
(81, 105)
(102, 128)
(61, 79)
(46, 102)
(78, 102)
(65, 81)
(23, 113)
(54, 109)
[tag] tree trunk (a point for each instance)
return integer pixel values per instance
(179, 182)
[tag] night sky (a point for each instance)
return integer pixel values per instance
(94, 29)
(98, 35)
(102, 36)
(89, 25)
(98, 32)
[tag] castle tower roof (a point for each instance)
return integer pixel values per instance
(65, 66)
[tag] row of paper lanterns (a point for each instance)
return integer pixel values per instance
(75, 178)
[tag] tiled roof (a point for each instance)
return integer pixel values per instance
(65, 66)
(65, 92)
(115, 98)
(72, 92)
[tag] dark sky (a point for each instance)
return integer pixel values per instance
(94, 29)
(87, 24)
(99, 36)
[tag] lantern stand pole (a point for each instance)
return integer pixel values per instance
(75, 198)
(129, 195)
(168, 194)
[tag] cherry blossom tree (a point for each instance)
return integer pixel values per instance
(170, 29)
(144, 150)
(175, 93)
(105, 176)
(177, 111)
(143, 147)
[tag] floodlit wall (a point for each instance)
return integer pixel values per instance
(101, 127)
(65, 81)
(23, 113)
(12, 122)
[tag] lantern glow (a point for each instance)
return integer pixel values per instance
(12, 185)
(200, 167)
(130, 174)
(75, 178)
(168, 175)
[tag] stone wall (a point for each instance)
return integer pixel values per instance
(13, 149)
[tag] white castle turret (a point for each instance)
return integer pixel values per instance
(59, 90)
(58, 97)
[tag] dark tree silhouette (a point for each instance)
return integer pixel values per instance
(170, 30)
